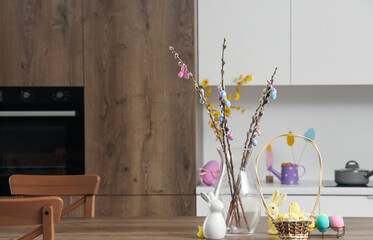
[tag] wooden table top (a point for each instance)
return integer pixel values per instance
(175, 228)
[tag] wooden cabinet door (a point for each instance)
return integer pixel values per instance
(258, 40)
(41, 43)
(140, 118)
(332, 42)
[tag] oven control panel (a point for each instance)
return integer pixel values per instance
(61, 95)
(41, 95)
(27, 95)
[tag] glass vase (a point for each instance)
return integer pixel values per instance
(238, 191)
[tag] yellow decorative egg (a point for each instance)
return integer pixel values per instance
(285, 216)
(312, 226)
(279, 217)
(293, 216)
(294, 208)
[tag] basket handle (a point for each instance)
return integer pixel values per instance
(257, 176)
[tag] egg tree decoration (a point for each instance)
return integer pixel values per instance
(223, 131)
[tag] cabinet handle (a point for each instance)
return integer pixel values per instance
(37, 113)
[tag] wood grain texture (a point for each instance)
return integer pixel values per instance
(140, 118)
(171, 228)
(60, 185)
(48, 224)
(90, 206)
(78, 212)
(147, 205)
(27, 211)
(41, 43)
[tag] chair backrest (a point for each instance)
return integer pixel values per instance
(59, 185)
(32, 211)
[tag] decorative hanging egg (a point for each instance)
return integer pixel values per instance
(201, 101)
(186, 75)
(202, 91)
(255, 143)
(219, 88)
(227, 103)
(181, 74)
(274, 94)
(221, 118)
(230, 136)
(223, 94)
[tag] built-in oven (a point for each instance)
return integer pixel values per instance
(41, 132)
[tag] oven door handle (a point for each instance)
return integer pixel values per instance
(37, 113)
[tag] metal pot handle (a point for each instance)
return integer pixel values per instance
(354, 165)
(368, 174)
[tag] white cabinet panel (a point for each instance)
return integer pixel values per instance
(347, 206)
(332, 42)
(258, 40)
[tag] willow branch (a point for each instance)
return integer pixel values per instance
(252, 132)
(201, 94)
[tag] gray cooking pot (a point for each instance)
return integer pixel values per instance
(352, 175)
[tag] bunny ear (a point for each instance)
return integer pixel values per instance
(275, 196)
(205, 197)
(280, 200)
(212, 196)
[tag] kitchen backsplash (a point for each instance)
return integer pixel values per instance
(342, 117)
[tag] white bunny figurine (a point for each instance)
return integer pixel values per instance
(214, 225)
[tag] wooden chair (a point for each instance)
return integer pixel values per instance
(59, 185)
(32, 211)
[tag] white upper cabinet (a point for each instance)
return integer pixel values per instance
(332, 42)
(258, 40)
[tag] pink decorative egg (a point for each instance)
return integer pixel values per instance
(336, 222)
(181, 74)
(210, 173)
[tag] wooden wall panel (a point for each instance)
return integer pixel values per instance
(148, 205)
(41, 43)
(140, 118)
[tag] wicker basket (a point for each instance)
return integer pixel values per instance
(291, 229)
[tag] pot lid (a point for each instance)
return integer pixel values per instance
(352, 166)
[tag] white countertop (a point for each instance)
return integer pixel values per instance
(305, 188)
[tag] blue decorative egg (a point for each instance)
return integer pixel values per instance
(201, 101)
(221, 118)
(274, 94)
(255, 143)
(223, 94)
(227, 103)
(322, 222)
